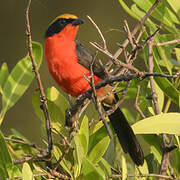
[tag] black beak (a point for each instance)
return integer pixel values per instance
(77, 22)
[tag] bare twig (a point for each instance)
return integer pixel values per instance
(136, 29)
(97, 102)
(33, 145)
(116, 61)
(143, 175)
(100, 33)
(37, 75)
(137, 103)
(167, 43)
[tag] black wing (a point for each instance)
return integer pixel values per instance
(85, 59)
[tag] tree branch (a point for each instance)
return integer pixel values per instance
(37, 75)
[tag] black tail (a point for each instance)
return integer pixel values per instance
(126, 136)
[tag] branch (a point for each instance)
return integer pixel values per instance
(138, 26)
(167, 43)
(37, 75)
(143, 175)
(123, 77)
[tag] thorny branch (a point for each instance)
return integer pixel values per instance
(42, 93)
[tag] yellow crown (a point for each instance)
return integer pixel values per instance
(65, 16)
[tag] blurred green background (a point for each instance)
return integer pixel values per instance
(108, 15)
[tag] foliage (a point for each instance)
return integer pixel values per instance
(91, 154)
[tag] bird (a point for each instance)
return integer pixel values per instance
(69, 62)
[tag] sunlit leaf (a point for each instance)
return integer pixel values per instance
(3, 76)
(19, 79)
(56, 114)
(5, 158)
(78, 156)
(128, 10)
(153, 141)
(168, 123)
(57, 98)
(27, 173)
(104, 165)
(124, 167)
(177, 50)
(98, 150)
(57, 153)
(166, 86)
(96, 137)
(90, 171)
(175, 5)
(84, 134)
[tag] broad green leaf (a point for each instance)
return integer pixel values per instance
(57, 153)
(27, 173)
(104, 165)
(36, 105)
(98, 150)
(90, 171)
(162, 13)
(140, 14)
(153, 141)
(78, 156)
(84, 134)
(129, 11)
(19, 79)
(96, 137)
(5, 158)
(57, 98)
(168, 123)
(175, 6)
(124, 167)
(56, 114)
(166, 86)
(14, 171)
(177, 50)
(3, 75)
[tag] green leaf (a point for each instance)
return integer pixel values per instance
(90, 171)
(162, 13)
(58, 99)
(124, 168)
(96, 137)
(84, 134)
(78, 156)
(177, 50)
(104, 165)
(154, 141)
(57, 153)
(166, 86)
(19, 79)
(175, 6)
(56, 114)
(3, 75)
(129, 11)
(5, 158)
(14, 171)
(168, 123)
(26, 172)
(98, 150)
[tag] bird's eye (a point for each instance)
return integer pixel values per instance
(63, 21)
